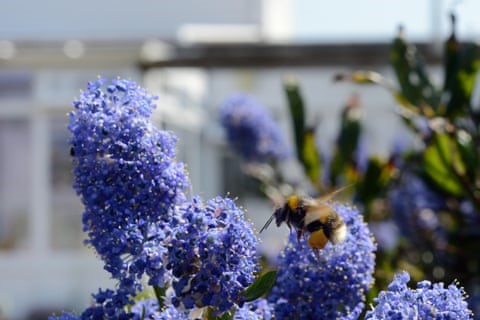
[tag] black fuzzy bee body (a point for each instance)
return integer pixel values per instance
(314, 216)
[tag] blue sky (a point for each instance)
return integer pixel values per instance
(362, 20)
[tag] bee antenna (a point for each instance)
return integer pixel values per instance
(267, 223)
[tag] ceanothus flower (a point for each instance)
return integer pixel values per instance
(258, 309)
(427, 301)
(110, 304)
(127, 176)
(148, 309)
(251, 130)
(331, 285)
(415, 206)
(212, 255)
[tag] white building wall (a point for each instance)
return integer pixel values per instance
(43, 264)
(110, 19)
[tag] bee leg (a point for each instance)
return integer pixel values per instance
(299, 234)
(316, 252)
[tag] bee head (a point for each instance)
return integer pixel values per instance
(289, 214)
(281, 215)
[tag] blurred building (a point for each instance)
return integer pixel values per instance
(193, 57)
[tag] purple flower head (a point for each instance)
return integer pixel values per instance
(428, 301)
(212, 255)
(251, 131)
(149, 309)
(256, 310)
(332, 286)
(386, 233)
(110, 304)
(414, 208)
(127, 177)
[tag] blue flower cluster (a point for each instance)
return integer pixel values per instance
(331, 286)
(415, 208)
(212, 255)
(142, 310)
(251, 130)
(110, 304)
(142, 225)
(126, 174)
(426, 302)
(149, 309)
(256, 310)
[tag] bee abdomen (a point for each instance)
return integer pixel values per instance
(314, 226)
(317, 240)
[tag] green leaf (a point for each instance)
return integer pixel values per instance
(468, 153)
(337, 167)
(350, 130)
(297, 114)
(443, 164)
(451, 65)
(160, 295)
(347, 142)
(462, 82)
(375, 180)
(411, 73)
(224, 316)
(304, 138)
(262, 285)
(461, 66)
(311, 159)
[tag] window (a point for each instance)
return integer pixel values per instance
(15, 184)
(66, 207)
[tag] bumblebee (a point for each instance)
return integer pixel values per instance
(312, 215)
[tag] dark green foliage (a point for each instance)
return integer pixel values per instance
(261, 286)
(306, 148)
(448, 163)
(447, 125)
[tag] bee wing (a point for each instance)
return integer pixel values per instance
(318, 208)
(325, 197)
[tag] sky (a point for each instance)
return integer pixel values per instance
(360, 20)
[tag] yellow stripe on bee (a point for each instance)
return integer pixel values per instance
(317, 239)
(293, 202)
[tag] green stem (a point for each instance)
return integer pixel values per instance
(209, 314)
(159, 294)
